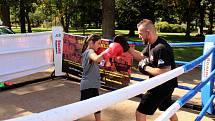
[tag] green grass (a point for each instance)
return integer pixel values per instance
(87, 32)
(17, 29)
(187, 53)
(181, 53)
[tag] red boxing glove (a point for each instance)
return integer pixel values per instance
(100, 50)
(115, 49)
(106, 54)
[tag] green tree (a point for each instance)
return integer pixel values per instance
(167, 11)
(30, 7)
(130, 12)
(186, 10)
(127, 15)
(39, 16)
(21, 9)
(5, 12)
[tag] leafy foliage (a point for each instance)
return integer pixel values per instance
(171, 28)
(82, 14)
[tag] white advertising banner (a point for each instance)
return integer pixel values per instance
(57, 35)
(24, 54)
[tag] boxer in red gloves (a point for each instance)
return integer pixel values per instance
(90, 82)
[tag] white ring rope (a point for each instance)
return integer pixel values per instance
(80, 109)
(77, 110)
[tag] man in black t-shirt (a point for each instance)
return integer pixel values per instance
(156, 58)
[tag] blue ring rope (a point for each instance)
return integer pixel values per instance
(192, 92)
(187, 44)
(184, 87)
(136, 79)
(184, 63)
(197, 61)
(202, 113)
(181, 62)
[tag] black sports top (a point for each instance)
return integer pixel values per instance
(160, 54)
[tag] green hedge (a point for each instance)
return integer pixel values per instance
(170, 28)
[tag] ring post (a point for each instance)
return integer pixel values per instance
(207, 67)
(57, 36)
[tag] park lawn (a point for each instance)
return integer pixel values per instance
(181, 53)
(17, 29)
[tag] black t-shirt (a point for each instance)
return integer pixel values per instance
(160, 54)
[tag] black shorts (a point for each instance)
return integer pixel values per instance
(159, 97)
(89, 93)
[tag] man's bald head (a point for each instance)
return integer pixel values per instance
(147, 25)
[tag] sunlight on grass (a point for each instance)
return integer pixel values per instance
(17, 29)
(187, 53)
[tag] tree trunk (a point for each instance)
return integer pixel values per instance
(211, 13)
(83, 20)
(108, 11)
(5, 14)
(131, 32)
(22, 16)
(96, 24)
(202, 16)
(68, 16)
(29, 23)
(62, 22)
(67, 24)
(192, 7)
(188, 20)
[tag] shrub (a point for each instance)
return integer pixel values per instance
(171, 28)
(162, 26)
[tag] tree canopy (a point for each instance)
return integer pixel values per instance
(107, 14)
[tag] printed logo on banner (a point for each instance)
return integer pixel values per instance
(58, 43)
(207, 63)
(58, 35)
(116, 75)
(58, 47)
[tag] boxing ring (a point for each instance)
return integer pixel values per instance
(77, 110)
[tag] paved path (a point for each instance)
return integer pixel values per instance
(54, 93)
